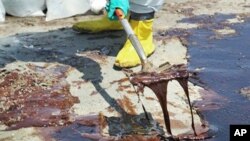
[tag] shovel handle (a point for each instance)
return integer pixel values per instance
(119, 14)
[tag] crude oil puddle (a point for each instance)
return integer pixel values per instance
(134, 125)
(158, 82)
(46, 97)
(38, 95)
(226, 63)
(35, 95)
(89, 128)
(83, 129)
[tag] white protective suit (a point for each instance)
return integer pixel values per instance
(137, 6)
(58, 9)
(145, 6)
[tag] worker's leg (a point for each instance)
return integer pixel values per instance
(141, 21)
(94, 26)
(99, 25)
(142, 27)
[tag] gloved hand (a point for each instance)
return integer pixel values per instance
(96, 6)
(113, 4)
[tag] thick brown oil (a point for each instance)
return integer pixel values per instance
(158, 83)
(35, 98)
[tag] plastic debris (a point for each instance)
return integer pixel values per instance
(58, 9)
(24, 8)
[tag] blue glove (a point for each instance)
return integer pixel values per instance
(113, 4)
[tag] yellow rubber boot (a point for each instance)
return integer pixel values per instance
(95, 26)
(127, 57)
